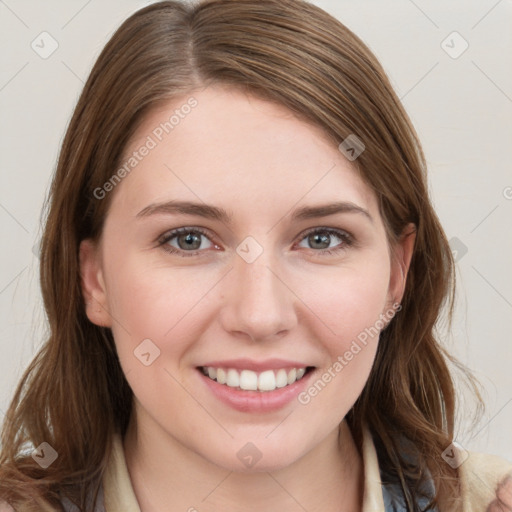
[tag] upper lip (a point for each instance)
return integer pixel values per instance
(256, 366)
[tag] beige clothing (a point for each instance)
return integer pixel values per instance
(480, 476)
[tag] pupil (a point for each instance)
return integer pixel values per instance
(191, 241)
(319, 241)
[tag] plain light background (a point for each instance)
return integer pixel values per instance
(450, 63)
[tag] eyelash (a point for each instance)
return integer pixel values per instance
(347, 240)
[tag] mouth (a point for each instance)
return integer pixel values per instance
(265, 381)
(251, 386)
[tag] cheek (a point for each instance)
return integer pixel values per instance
(158, 304)
(347, 299)
(159, 314)
(350, 353)
(348, 303)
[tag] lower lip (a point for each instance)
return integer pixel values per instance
(256, 401)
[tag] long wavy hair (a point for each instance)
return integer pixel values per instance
(74, 394)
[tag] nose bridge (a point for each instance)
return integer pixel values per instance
(261, 305)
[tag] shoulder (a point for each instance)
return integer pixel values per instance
(486, 483)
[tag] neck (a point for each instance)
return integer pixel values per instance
(167, 476)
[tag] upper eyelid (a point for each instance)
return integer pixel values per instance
(171, 233)
(326, 229)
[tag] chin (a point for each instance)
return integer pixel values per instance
(256, 457)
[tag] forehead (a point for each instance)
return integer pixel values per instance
(220, 144)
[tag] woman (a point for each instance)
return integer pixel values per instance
(242, 271)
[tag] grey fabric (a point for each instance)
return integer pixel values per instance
(394, 499)
(100, 506)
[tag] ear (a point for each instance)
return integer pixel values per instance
(93, 285)
(401, 260)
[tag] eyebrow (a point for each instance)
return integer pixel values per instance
(216, 213)
(186, 208)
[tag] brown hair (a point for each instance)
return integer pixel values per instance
(74, 394)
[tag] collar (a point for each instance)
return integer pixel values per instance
(119, 495)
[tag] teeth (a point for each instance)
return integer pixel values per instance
(233, 379)
(248, 380)
(221, 376)
(252, 381)
(281, 379)
(267, 381)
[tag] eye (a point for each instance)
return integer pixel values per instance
(326, 240)
(190, 241)
(185, 240)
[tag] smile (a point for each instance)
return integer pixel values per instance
(249, 380)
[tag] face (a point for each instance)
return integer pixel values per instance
(242, 245)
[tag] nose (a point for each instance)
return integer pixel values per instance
(260, 304)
